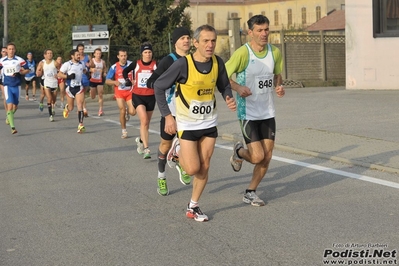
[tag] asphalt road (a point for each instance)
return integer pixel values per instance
(90, 199)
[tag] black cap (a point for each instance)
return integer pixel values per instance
(144, 47)
(178, 32)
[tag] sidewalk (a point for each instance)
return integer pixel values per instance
(354, 127)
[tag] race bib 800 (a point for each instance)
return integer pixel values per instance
(201, 110)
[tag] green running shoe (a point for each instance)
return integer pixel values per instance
(162, 187)
(147, 154)
(184, 178)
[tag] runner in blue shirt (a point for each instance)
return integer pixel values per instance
(30, 78)
(13, 67)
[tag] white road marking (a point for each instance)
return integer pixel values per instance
(329, 170)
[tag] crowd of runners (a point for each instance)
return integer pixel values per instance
(182, 84)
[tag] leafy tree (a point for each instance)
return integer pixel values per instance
(135, 22)
(48, 23)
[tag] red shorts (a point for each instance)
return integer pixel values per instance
(60, 81)
(124, 94)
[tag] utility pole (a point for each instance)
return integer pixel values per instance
(5, 37)
(234, 34)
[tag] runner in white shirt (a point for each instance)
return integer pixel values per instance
(73, 71)
(48, 69)
(97, 77)
(258, 66)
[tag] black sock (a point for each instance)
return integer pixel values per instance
(80, 116)
(161, 161)
(238, 154)
(49, 109)
(249, 190)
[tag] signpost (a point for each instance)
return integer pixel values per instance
(92, 36)
(90, 48)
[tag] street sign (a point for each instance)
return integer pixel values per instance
(90, 48)
(90, 35)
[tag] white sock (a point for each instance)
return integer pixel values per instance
(193, 204)
(161, 175)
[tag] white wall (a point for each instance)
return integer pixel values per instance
(371, 63)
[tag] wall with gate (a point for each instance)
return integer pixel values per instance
(314, 58)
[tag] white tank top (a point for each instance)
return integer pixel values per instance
(259, 78)
(50, 75)
(96, 76)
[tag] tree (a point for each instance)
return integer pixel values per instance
(48, 23)
(138, 21)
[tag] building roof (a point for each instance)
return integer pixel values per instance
(333, 21)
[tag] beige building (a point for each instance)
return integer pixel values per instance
(372, 35)
(289, 14)
(283, 15)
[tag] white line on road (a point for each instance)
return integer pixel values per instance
(329, 170)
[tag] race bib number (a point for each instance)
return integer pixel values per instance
(10, 70)
(142, 79)
(75, 83)
(96, 74)
(201, 110)
(264, 84)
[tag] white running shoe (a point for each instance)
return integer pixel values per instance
(172, 155)
(140, 146)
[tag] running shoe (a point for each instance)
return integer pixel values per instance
(85, 113)
(100, 113)
(62, 105)
(81, 129)
(184, 178)
(41, 107)
(253, 199)
(27, 97)
(172, 156)
(196, 214)
(235, 161)
(7, 122)
(140, 146)
(33, 97)
(52, 110)
(51, 118)
(147, 154)
(14, 131)
(162, 187)
(124, 135)
(65, 113)
(127, 116)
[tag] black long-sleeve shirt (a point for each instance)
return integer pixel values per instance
(162, 66)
